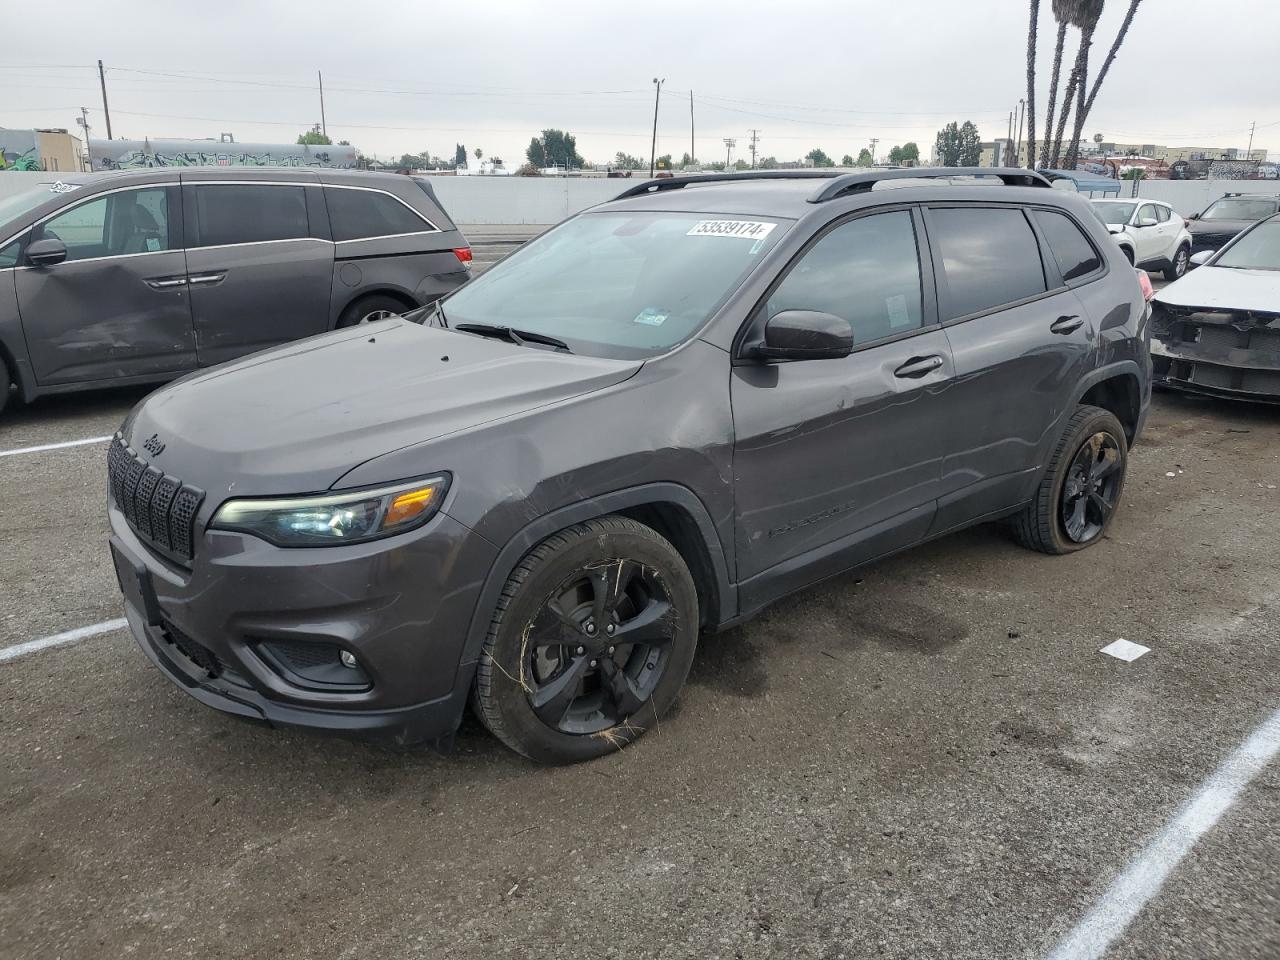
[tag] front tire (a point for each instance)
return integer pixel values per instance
(592, 639)
(1177, 268)
(1077, 499)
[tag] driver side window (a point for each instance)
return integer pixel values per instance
(866, 271)
(119, 224)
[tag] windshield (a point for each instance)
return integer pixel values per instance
(13, 207)
(623, 285)
(1239, 209)
(1114, 214)
(1259, 249)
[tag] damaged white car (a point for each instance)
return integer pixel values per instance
(1217, 330)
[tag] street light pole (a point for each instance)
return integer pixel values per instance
(729, 144)
(653, 148)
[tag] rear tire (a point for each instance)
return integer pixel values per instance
(1177, 268)
(559, 680)
(377, 306)
(6, 385)
(1078, 497)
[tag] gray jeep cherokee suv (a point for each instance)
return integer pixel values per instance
(657, 418)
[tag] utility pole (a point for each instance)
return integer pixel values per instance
(729, 144)
(653, 148)
(106, 113)
(874, 141)
(755, 135)
(1017, 144)
(323, 128)
(84, 124)
(1248, 154)
(693, 156)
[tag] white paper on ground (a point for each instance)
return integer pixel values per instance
(1125, 650)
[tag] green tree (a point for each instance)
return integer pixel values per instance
(536, 153)
(344, 143)
(741, 164)
(819, 158)
(688, 161)
(864, 158)
(946, 147)
(625, 161)
(970, 145)
(314, 137)
(907, 153)
(768, 163)
(411, 161)
(560, 149)
(478, 152)
(459, 155)
(846, 160)
(663, 162)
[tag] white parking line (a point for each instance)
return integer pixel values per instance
(1145, 875)
(70, 636)
(52, 446)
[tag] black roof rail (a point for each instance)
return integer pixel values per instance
(675, 183)
(858, 182)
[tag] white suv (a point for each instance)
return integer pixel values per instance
(1150, 233)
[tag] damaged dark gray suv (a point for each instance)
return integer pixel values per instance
(657, 418)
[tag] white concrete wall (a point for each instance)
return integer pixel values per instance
(544, 200)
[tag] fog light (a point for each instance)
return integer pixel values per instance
(348, 659)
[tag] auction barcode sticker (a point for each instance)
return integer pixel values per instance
(746, 229)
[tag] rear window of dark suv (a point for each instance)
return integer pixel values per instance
(356, 214)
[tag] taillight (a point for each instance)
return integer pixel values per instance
(1144, 282)
(463, 254)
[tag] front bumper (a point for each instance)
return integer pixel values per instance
(401, 605)
(1236, 374)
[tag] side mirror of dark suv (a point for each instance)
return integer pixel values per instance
(804, 335)
(47, 252)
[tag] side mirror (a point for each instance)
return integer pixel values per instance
(804, 335)
(1201, 258)
(47, 252)
(1148, 222)
(1115, 228)
(1194, 216)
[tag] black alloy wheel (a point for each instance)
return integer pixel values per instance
(597, 648)
(1091, 488)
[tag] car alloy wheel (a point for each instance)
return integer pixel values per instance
(596, 650)
(1091, 487)
(1180, 260)
(373, 316)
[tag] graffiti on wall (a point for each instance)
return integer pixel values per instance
(19, 150)
(137, 154)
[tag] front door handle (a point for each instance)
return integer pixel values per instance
(918, 366)
(1068, 324)
(166, 283)
(206, 277)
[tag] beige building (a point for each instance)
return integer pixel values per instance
(53, 150)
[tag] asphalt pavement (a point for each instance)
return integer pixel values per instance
(927, 758)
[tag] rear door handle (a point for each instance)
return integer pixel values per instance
(918, 366)
(165, 283)
(206, 277)
(1068, 324)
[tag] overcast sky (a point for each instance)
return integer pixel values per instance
(413, 76)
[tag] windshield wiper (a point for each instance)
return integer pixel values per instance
(518, 337)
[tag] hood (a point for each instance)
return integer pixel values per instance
(296, 418)
(1225, 288)
(1215, 227)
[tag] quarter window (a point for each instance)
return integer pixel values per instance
(1162, 213)
(9, 255)
(866, 271)
(1075, 255)
(249, 213)
(989, 257)
(118, 224)
(359, 214)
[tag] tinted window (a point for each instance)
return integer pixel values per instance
(9, 255)
(990, 257)
(119, 224)
(866, 271)
(1075, 255)
(355, 214)
(249, 213)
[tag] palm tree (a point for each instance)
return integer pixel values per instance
(1063, 12)
(1031, 83)
(1085, 14)
(1082, 113)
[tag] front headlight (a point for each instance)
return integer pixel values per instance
(333, 519)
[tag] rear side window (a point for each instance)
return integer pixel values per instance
(866, 271)
(989, 256)
(1075, 254)
(9, 255)
(249, 213)
(359, 214)
(1162, 213)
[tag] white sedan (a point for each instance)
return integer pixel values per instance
(1217, 330)
(1152, 234)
